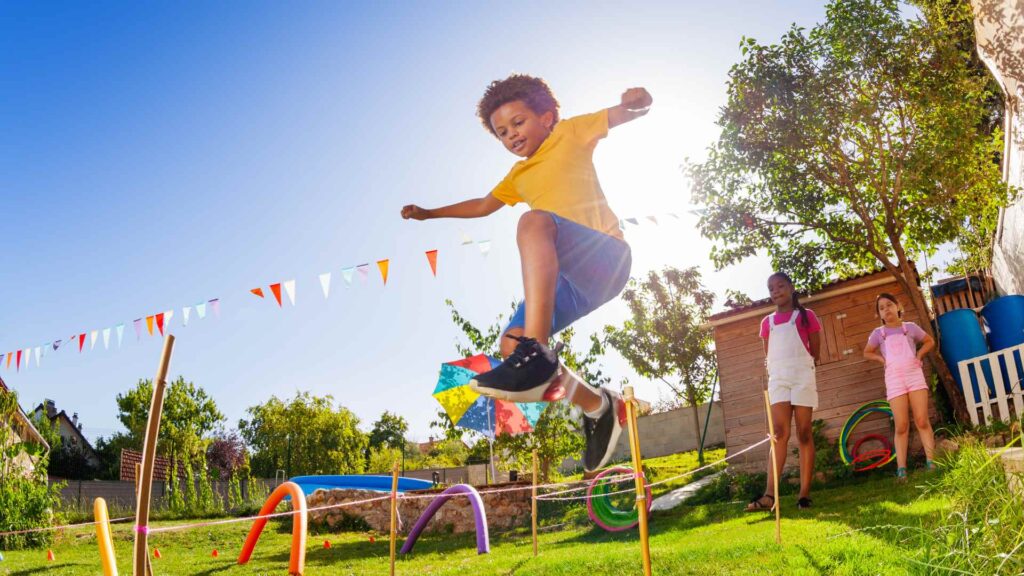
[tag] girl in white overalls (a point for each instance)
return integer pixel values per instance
(792, 337)
(894, 344)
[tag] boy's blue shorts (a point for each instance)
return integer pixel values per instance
(593, 268)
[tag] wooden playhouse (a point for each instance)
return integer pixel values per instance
(846, 380)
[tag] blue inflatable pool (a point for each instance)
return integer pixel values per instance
(357, 482)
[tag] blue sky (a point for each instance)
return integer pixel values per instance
(156, 155)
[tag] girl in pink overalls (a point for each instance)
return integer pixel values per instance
(894, 344)
(792, 341)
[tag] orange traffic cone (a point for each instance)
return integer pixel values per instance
(215, 553)
(372, 539)
(327, 543)
(156, 553)
(49, 556)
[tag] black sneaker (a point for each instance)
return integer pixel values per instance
(524, 376)
(602, 433)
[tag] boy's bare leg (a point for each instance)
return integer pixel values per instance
(536, 238)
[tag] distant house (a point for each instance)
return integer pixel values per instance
(70, 430)
(23, 431)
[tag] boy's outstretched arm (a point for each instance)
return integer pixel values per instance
(635, 103)
(473, 208)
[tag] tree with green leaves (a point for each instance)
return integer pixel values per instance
(865, 142)
(304, 435)
(667, 337)
(189, 416)
(388, 431)
(557, 433)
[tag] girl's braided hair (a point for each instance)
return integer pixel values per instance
(796, 298)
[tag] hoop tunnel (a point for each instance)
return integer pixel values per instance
(297, 559)
(483, 541)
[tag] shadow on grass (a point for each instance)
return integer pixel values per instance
(48, 568)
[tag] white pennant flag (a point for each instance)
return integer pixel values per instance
(466, 240)
(347, 273)
(325, 283)
(92, 339)
(39, 354)
(201, 310)
(485, 247)
(120, 334)
(28, 356)
(185, 312)
(289, 289)
(167, 319)
(106, 338)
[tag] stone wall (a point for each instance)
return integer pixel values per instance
(504, 510)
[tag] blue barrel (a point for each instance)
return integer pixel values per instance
(961, 338)
(1005, 319)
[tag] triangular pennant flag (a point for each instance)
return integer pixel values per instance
(167, 318)
(56, 345)
(622, 224)
(257, 291)
(674, 215)
(485, 247)
(633, 221)
(201, 310)
(46, 348)
(432, 260)
(383, 266)
(653, 219)
(138, 328)
(215, 306)
(276, 289)
(289, 289)
(106, 338)
(185, 313)
(159, 323)
(120, 334)
(2, 359)
(81, 341)
(364, 271)
(466, 240)
(18, 362)
(39, 354)
(325, 284)
(9, 360)
(92, 339)
(149, 325)
(347, 273)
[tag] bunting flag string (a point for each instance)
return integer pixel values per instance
(162, 321)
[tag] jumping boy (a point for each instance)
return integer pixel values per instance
(573, 255)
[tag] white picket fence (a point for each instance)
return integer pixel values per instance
(988, 371)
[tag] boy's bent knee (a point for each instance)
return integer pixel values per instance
(535, 221)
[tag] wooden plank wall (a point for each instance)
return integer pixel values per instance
(845, 379)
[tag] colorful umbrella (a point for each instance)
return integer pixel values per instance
(470, 410)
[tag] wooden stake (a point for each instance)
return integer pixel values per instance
(141, 551)
(641, 488)
(775, 469)
(394, 513)
(533, 504)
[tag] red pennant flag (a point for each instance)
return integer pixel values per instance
(81, 341)
(149, 324)
(383, 265)
(276, 289)
(432, 259)
(17, 363)
(160, 322)
(257, 291)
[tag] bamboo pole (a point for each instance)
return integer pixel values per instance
(775, 469)
(141, 551)
(641, 488)
(533, 503)
(394, 513)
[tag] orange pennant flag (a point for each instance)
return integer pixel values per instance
(383, 265)
(257, 291)
(9, 360)
(276, 289)
(149, 324)
(432, 259)
(160, 322)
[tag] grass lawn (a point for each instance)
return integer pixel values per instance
(838, 536)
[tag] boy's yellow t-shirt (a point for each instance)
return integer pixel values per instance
(560, 176)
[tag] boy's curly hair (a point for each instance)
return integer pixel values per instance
(532, 91)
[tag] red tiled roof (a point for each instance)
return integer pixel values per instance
(129, 458)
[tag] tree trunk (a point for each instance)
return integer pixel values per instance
(956, 397)
(695, 409)
(545, 469)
